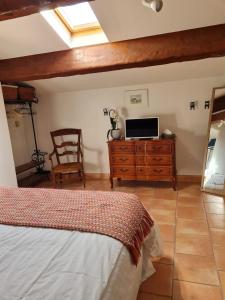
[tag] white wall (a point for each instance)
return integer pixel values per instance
(7, 168)
(169, 101)
(20, 129)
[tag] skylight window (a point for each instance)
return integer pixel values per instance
(76, 24)
(78, 17)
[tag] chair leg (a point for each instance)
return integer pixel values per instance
(83, 178)
(80, 175)
(54, 180)
(61, 180)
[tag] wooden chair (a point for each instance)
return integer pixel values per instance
(69, 156)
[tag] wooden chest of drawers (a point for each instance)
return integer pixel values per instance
(149, 160)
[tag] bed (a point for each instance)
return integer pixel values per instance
(46, 263)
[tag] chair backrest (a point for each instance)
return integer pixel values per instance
(67, 144)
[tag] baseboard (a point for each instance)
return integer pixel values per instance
(180, 178)
(97, 175)
(189, 178)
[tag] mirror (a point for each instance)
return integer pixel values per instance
(213, 179)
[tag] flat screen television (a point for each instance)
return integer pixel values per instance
(144, 128)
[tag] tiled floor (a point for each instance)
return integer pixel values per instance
(193, 229)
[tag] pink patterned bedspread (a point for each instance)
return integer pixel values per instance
(118, 215)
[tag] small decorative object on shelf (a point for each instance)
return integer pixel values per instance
(167, 134)
(115, 131)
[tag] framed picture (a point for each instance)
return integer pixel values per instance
(136, 98)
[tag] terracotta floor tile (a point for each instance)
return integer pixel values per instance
(165, 194)
(143, 195)
(197, 269)
(216, 221)
(218, 236)
(185, 226)
(167, 232)
(222, 279)
(215, 208)
(183, 290)
(161, 204)
(144, 296)
(219, 253)
(193, 244)
(189, 191)
(163, 216)
(213, 198)
(190, 201)
(159, 283)
(168, 257)
(192, 213)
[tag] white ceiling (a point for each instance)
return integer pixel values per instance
(127, 19)
(120, 20)
(27, 36)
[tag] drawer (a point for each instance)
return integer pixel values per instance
(122, 148)
(141, 173)
(159, 148)
(141, 170)
(140, 160)
(123, 171)
(123, 159)
(159, 171)
(140, 148)
(159, 160)
(153, 160)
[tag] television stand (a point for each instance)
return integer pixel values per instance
(145, 139)
(143, 160)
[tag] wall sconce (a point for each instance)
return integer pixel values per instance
(106, 111)
(207, 104)
(192, 105)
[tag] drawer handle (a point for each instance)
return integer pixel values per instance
(157, 170)
(124, 170)
(123, 159)
(158, 159)
(123, 148)
(139, 148)
(157, 147)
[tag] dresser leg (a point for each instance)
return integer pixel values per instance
(174, 182)
(111, 181)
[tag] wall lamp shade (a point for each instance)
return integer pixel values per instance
(155, 5)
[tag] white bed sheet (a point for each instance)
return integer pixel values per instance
(48, 264)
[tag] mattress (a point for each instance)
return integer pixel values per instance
(38, 263)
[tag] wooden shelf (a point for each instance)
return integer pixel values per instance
(33, 179)
(13, 102)
(30, 165)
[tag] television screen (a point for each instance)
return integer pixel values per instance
(142, 128)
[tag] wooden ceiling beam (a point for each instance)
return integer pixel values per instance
(10, 9)
(167, 48)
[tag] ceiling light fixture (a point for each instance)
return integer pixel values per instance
(155, 5)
